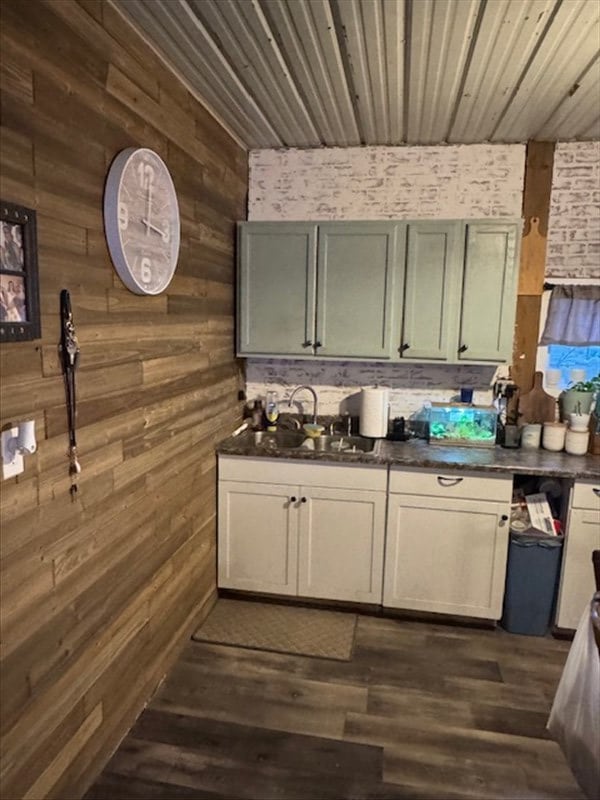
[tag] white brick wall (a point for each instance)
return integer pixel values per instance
(574, 226)
(454, 182)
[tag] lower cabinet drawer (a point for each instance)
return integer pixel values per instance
(452, 484)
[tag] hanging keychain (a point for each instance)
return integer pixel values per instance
(69, 353)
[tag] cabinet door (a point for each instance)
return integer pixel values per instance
(432, 289)
(357, 265)
(445, 556)
(489, 292)
(276, 291)
(577, 583)
(340, 553)
(258, 537)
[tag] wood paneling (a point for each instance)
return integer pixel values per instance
(99, 594)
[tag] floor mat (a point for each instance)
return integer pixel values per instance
(280, 629)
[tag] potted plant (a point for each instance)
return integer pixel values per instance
(579, 398)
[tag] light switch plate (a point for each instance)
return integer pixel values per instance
(11, 465)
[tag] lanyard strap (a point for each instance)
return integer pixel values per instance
(69, 353)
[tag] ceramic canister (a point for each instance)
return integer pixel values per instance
(531, 436)
(576, 442)
(579, 422)
(553, 436)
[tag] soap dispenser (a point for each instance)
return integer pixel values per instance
(272, 411)
(257, 415)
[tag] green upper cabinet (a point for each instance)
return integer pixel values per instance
(489, 291)
(277, 282)
(442, 291)
(356, 272)
(432, 290)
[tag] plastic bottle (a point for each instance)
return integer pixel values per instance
(272, 411)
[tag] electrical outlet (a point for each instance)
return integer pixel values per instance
(12, 464)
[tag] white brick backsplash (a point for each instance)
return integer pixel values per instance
(338, 383)
(574, 226)
(453, 182)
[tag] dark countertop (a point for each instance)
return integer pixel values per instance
(418, 453)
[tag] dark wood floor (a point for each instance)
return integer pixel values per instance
(421, 711)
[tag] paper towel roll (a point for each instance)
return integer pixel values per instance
(374, 408)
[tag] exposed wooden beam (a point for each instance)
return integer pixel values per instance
(536, 210)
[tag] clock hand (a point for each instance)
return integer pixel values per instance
(149, 211)
(149, 226)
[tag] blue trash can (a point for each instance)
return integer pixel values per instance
(531, 582)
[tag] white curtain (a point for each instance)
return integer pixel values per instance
(573, 316)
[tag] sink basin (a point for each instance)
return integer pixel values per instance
(291, 440)
(344, 444)
(279, 440)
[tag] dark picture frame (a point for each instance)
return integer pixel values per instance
(19, 288)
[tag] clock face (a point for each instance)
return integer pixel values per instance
(141, 220)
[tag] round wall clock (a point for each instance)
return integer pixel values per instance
(141, 220)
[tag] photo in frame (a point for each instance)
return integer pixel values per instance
(19, 291)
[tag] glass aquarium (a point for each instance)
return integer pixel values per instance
(462, 424)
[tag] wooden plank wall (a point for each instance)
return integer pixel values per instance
(98, 595)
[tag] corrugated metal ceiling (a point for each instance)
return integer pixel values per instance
(305, 73)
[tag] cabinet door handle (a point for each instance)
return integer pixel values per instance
(448, 481)
(463, 348)
(307, 343)
(303, 499)
(596, 492)
(403, 347)
(293, 499)
(318, 344)
(503, 519)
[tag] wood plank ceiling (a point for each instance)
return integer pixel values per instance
(305, 73)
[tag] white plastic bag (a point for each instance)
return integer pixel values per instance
(575, 716)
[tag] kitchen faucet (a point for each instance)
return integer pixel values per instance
(314, 394)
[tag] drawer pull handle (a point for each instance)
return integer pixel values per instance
(448, 481)
(596, 492)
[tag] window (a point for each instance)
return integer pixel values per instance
(566, 358)
(565, 364)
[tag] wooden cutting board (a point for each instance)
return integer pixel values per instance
(537, 405)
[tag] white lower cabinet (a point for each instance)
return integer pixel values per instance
(577, 583)
(340, 552)
(258, 537)
(447, 540)
(303, 529)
